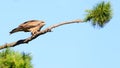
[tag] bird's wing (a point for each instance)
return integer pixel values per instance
(30, 24)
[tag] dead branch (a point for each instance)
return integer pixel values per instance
(48, 29)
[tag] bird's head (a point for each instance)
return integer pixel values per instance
(42, 23)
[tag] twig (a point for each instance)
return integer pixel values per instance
(48, 29)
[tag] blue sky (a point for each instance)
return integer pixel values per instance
(68, 46)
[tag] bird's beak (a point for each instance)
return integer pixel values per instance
(43, 23)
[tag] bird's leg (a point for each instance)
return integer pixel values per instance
(34, 32)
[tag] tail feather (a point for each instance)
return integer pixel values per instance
(14, 30)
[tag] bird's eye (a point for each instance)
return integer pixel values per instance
(42, 22)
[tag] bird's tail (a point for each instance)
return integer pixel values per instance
(14, 30)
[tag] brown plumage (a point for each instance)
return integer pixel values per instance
(32, 26)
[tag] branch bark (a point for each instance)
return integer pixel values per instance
(48, 29)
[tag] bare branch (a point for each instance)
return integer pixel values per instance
(48, 29)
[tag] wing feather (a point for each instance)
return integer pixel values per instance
(30, 24)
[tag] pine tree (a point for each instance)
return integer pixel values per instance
(12, 59)
(100, 14)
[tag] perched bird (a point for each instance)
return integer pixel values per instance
(32, 26)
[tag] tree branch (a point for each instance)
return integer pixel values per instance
(48, 29)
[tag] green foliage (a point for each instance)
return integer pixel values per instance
(12, 59)
(100, 14)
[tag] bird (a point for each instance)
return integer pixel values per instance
(32, 26)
